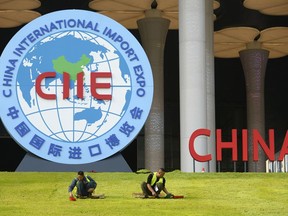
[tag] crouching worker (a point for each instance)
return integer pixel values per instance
(155, 184)
(85, 186)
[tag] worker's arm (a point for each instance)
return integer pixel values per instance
(165, 190)
(149, 186)
(151, 189)
(71, 187)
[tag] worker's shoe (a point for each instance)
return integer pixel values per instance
(99, 196)
(78, 196)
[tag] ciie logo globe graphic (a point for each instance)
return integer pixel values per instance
(76, 87)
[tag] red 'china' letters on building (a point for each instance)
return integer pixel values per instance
(256, 140)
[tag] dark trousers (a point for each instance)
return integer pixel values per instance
(157, 188)
(82, 189)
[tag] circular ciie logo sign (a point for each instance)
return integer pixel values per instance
(76, 87)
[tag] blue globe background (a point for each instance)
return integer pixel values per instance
(73, 119)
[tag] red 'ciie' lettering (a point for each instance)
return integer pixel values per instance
(94, 85)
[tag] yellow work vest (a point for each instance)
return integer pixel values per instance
(88, 180)
(154, 179)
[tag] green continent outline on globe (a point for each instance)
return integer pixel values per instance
(61, 65)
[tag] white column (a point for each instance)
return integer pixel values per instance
(193, 102)
(153, 30)
(210, 83)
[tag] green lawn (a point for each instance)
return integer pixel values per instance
(205, 194)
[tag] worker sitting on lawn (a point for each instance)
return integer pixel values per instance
(85, 186)
(155, 184)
